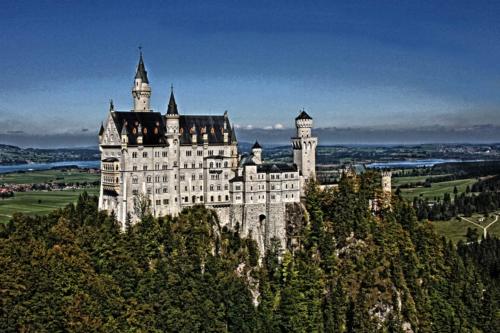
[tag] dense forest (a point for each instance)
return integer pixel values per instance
(354, 271)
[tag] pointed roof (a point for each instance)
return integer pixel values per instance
(256, 145)
(101, 130)
(141, 71)
(124, 128)
(233, 135)
(172, 106)
(303, 115)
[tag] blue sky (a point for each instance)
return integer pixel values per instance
(350, 64)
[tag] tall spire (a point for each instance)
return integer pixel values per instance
(141, 90)
(141, 69)
(172, 106)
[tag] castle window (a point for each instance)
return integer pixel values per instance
(201, 198)
(193, 165)
(199, 153)
(175, 199)
(212, 198)
(226, 187)
(158, 190)
(219, 198)
(164, 154)
(221, 152)
(164, 167)
(186, 199)
(193, 177)
(200, 165)
(148, 179)
(185, 165)
(165, 178)
(227, 197)
(201, 187)
(210, 152)
(165, 201)
(238, 187)
(200, 176)
(182, 177)
(145, 154)
(225, 164)
(185, 188)
(134, 180)
(165, 190)
(157, 166)
(157, 154)
(135, 192)
(175, 164)
(218, 186)
(193, 199)
(211, 165)
(211, 187)
(145, 167)
(226, 176)
(149, 191)
(134, 154)
(157, 179)
(292, 175)
(194, 188)
(188, 152)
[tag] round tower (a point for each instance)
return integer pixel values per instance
(141, 92)
(304, 146)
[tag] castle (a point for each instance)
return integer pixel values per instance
(173, 161)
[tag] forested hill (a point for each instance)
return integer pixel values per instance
(73, 270)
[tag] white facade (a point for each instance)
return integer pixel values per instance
(173, 161)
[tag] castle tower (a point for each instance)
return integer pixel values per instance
(172, 116)
(141, 90)
(304, 147)
(257, 153)
(386, 189)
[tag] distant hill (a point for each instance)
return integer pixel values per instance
(15, 155)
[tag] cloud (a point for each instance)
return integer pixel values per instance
(278, 126)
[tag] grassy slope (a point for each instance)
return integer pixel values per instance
(438, 189)
(27, 202)
(58, 176)
(455, 230)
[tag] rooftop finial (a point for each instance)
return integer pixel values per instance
(171, 88)
(111, 105)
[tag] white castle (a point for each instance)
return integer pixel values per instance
(176, 161)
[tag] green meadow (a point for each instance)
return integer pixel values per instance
(48, 176)
(437, 189)
(456, 230)
(39, 202)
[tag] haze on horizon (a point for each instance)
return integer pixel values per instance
(372, 72)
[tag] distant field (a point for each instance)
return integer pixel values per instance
(48, 176)
(455, 230)
(437, 189)
(397, 181)
(27, 202)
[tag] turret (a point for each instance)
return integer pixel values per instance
(172, 116)
(304, 147)
(257, 153)
(141, 92)
(124, 135)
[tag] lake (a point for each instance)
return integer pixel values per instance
(411, 164)
(48, 166)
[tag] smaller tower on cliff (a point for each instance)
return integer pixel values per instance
(386, 188)
(141, 90)
(304, 147)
